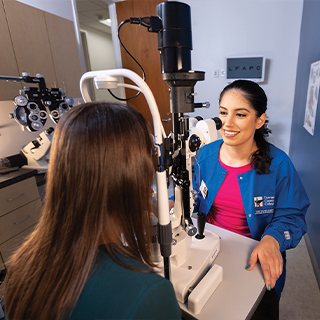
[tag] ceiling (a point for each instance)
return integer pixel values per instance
(91, 11)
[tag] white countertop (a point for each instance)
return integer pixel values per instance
(240, 290)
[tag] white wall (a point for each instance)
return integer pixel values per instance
(223, 28)
(101, 55)
(100, 49)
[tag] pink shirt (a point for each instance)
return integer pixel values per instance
(227, 210)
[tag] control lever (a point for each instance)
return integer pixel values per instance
(201, 223)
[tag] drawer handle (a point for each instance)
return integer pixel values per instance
(16, 223)
(20, 195)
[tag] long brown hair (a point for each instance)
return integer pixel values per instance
(98, 188)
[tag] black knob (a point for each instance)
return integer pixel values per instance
(218, 122)
(194, 143)
(49, 130)
(36, 143)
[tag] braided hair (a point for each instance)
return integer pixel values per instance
(257, 98)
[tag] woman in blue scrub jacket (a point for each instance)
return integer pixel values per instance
(89, 256)
(272, 201)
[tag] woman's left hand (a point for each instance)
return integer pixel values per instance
(268, 253)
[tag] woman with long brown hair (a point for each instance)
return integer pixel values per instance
(89, 257)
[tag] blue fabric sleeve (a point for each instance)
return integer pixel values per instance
(288, 224)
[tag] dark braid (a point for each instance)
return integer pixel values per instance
(257, 98)
(261, 157)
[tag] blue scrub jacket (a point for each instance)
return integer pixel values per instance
(275, 203)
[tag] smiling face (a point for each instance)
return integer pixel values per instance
(239, 119)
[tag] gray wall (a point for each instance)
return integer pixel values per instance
(101, 57)
(305, 148)
(223, 28)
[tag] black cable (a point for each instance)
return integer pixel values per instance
(166, 267)
(144, 75)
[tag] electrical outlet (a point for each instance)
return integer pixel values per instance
(216, 73)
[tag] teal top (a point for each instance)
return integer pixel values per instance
(114, 292)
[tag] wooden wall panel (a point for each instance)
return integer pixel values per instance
(8, 64)
(65, 54)
(30, 41)
(143, 45)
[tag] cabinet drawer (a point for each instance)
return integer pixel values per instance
(17, 195)
(18, 220)
(9, 247)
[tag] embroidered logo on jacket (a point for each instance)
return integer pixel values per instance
(264, 204)
(258, 202)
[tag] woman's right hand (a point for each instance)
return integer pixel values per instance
(268, 253)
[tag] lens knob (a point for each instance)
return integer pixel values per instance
(194, 143)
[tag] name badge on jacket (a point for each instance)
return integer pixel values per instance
(203, 189)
